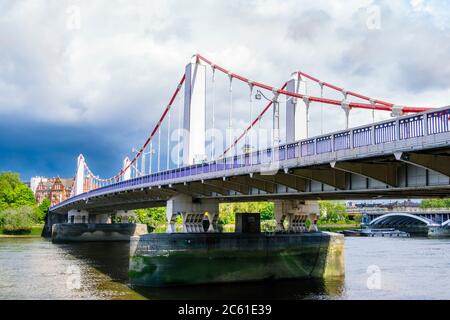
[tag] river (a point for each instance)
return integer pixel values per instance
(376, 268)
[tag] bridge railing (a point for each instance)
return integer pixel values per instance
(384, 132)
(402, 128)
(342, 141)
(438, 121)
(367, 210)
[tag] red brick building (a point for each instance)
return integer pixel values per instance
(55, 189)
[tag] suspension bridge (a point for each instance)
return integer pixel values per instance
(196, 157)
(406, 155)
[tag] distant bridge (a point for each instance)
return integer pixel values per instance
(431, 217)
(402, 218)
(418, 220)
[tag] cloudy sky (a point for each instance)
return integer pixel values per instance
(92, 77)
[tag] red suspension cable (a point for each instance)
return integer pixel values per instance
(152, 134)
(354, 94)
(379, 105)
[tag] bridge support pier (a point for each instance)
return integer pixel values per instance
(192, 213)
(439, 232)
(192, 222)
(280, 212)
(100, 218)
(84, 226)
(213, 217)
(77, 216)
(296, 212)
(83, 216)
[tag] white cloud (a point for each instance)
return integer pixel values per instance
(421, 5)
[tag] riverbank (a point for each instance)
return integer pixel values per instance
(337, 227)
(35, 232)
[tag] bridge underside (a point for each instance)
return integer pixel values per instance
(411, 174)
(399, 221)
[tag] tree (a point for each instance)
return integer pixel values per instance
(13, 192)
(18, 220)
(152, 217)
(17, 203)
(267, 211)
(226, 215)
(43, 209)
(228, 210)
(332, 211)
(435, 203)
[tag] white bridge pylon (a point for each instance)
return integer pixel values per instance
(194, 122)
(80, 177)
(296, 113)
(127, 168)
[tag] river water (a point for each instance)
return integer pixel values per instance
(376, 268)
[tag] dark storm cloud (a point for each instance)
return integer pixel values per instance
(41, 149)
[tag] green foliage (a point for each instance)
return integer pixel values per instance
(226, 215)
(266, 210)
(333, 212)
(155, 218)
(337, 227)
(435, 203)
(13, 192)
(357, 218)
(114, 219)
(308, 223)
(152, 217)
(43, 209)
(18, 210)
(2, 218)
(159, 229)
(36, 230)
(228, 211)
(268, 225)
(18, 220)
(226, 228)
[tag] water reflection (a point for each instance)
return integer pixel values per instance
(273, 290)
(37, 269)
(112, 260)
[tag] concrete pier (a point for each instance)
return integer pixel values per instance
(439, 232)
(159, 260)
(82, 232)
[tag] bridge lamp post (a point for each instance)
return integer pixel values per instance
(276, 116)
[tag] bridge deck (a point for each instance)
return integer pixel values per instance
(403, 157)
